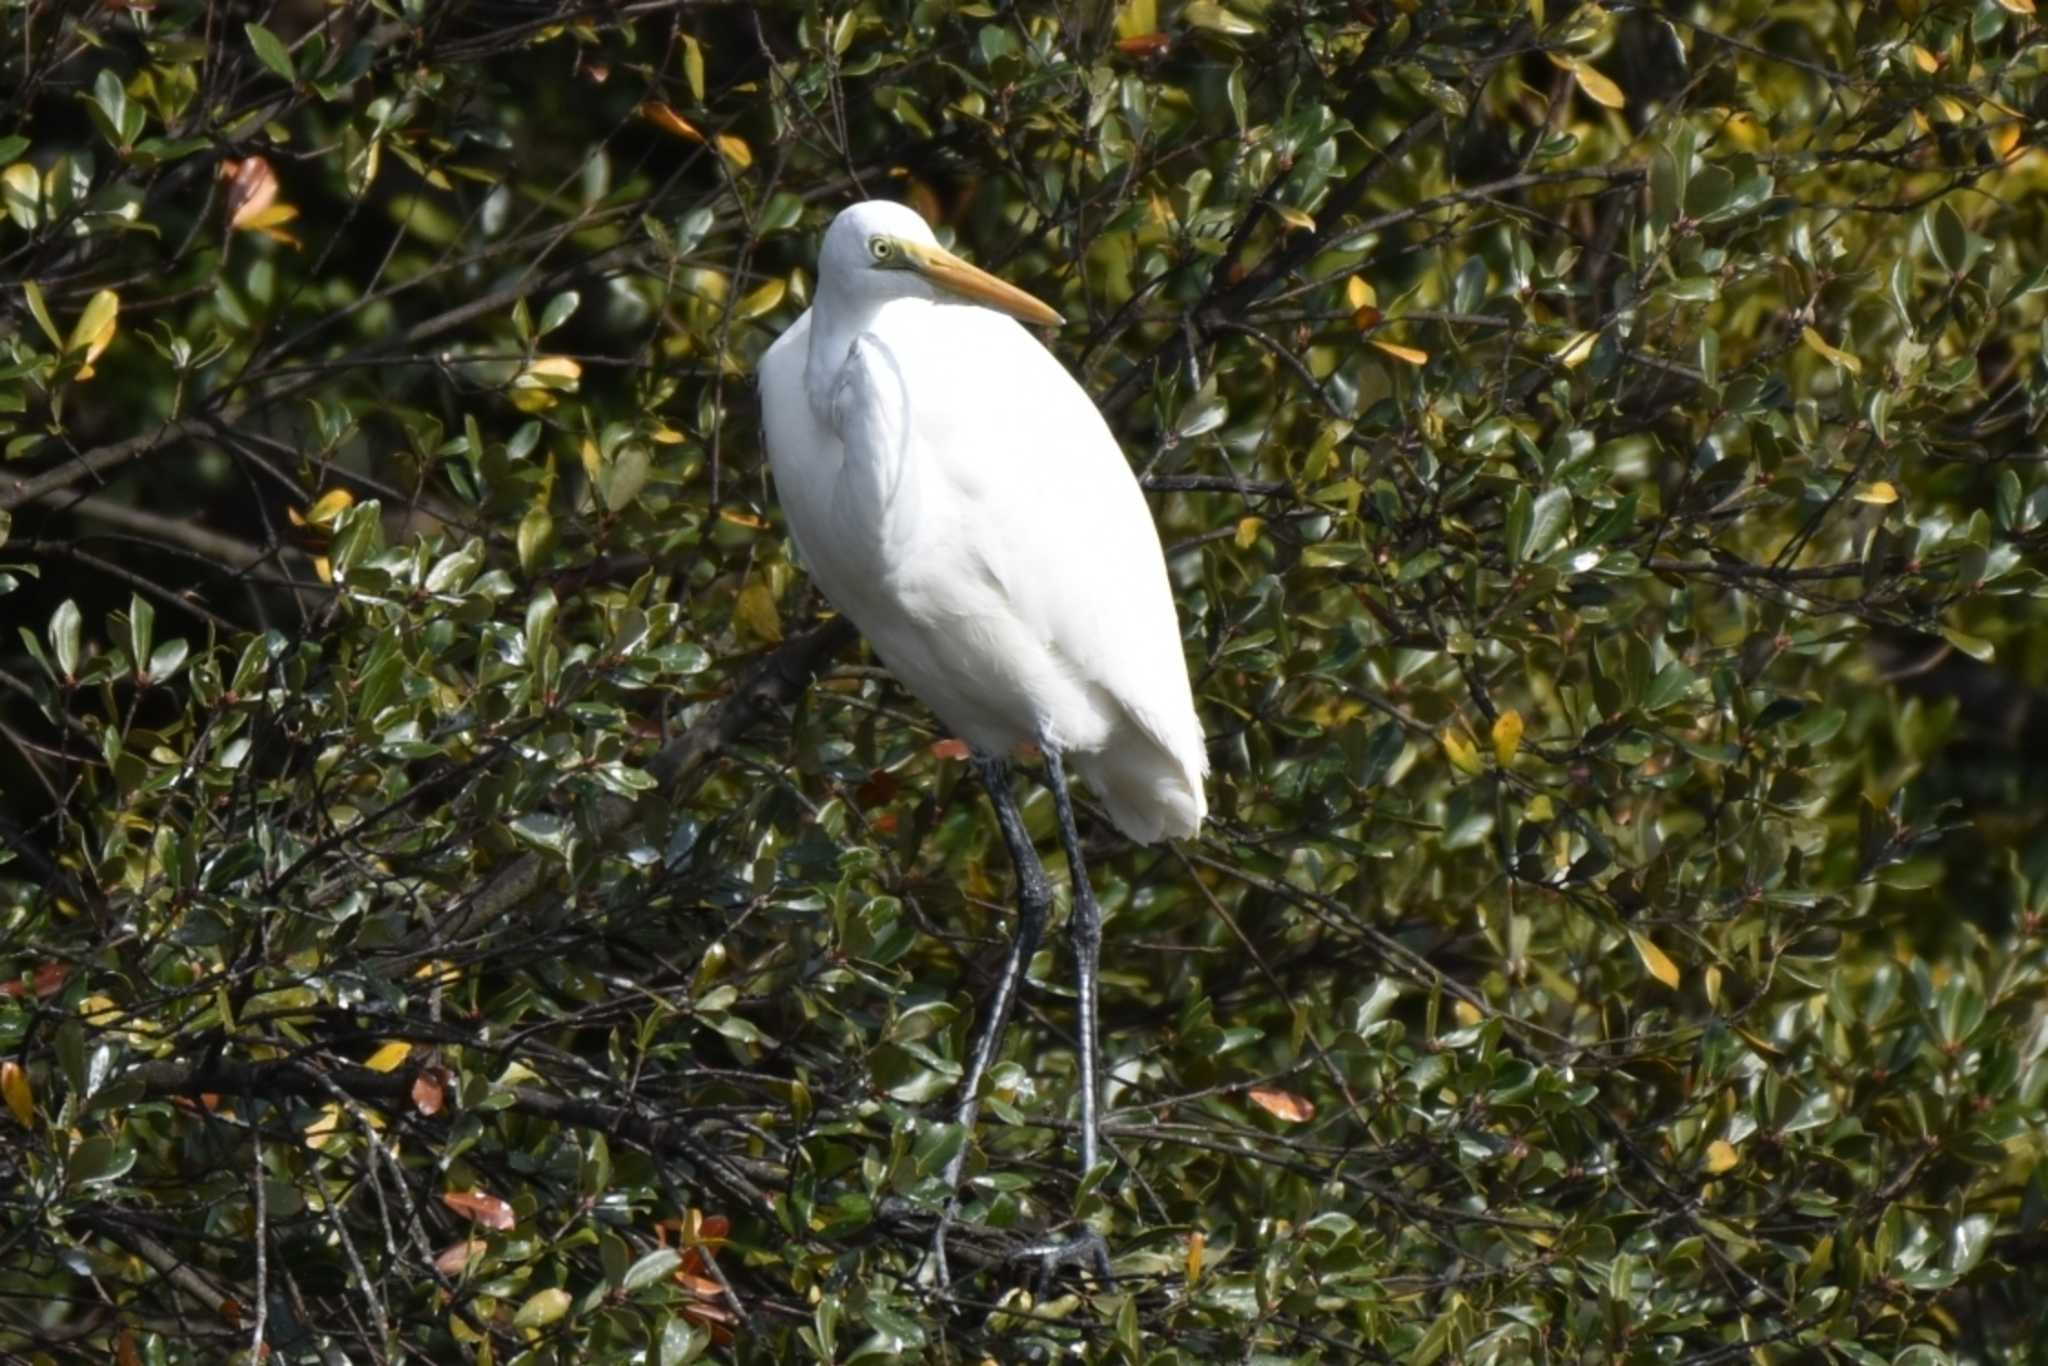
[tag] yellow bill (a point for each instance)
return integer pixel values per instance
(954, 275)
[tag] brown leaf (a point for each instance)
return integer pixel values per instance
(1284, 1105)
(950, 749)
(430, 1090)
(488, 1210)
(456, 1256)
(1144, 44)
(252, 188)
(880, 788)
(665, 117)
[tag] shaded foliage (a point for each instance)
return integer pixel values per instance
(465, 900)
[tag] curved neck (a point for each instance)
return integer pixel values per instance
(838, 318)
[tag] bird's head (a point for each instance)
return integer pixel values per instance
(879, 250)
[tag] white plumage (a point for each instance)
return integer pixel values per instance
(956, 493)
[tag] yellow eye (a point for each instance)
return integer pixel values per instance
(879, 247)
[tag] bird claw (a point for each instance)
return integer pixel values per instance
(1087, 1247)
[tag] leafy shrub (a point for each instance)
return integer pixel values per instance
(467, 900)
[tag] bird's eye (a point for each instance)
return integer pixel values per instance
(879, 248)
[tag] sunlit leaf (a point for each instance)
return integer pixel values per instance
(1284, 1105)
(1507, 735)
(1820, 346)
(480, 1207)
(1654, 959)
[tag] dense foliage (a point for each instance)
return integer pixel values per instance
(464, 899)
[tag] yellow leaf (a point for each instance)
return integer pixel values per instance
(665, 436)
(1710, 980)
(1463, 753)
(755, 611)
(1467, 1014)
(693, 67)
(328, 506)
(1573, 353)
(1923, 59)
(1818, 344)
(1134, 18)
(2017, 6)
(736, 150)
(1402, 353)
(1359, 294)
(557, 372)
(1294, 218)
(762, 300)
(387, 1058)
(1721, 1157)
(1538, 809)
(542, 1308)
(96, 326)
(269, 217)
(2005, 139)
(20, 1099)
(1660, 967)
(1248, 531)
(1197, 1241)
(324, 568)
(535, 387)
(98, 1011)
(1507, 736)
(1597, 87)
(322, 1128)
(1882, 493)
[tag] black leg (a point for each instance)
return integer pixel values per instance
(1086, 929)
(1034, 902)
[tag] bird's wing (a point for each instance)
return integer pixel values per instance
(1064, 529)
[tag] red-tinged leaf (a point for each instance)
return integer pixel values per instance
(456, 1256)
(488, 1210)
(125, 1351)
(1144, 44)
(950, 749)
(231, 1310)
(47, 980)
(1284, 1105)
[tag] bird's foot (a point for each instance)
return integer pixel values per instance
(1049, 1255)
(1086, 1248)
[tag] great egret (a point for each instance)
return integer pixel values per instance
(954, 491)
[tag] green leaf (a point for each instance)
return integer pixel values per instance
(41, 312)
(657, 1265)
(543, 1308)
(271, 51)
(65, 624)
(559, 310)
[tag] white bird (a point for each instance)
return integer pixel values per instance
(958, 496)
